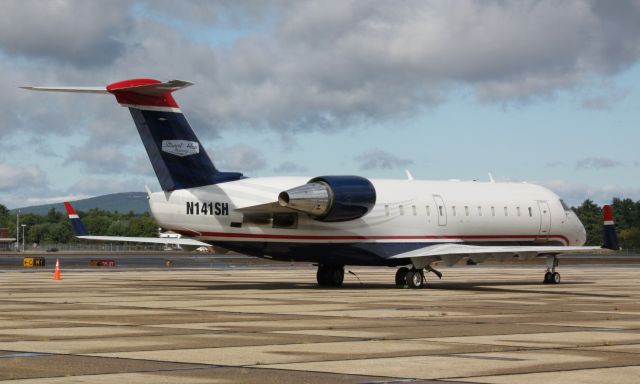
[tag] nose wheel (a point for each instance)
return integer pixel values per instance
(551, 276)
(414, 277)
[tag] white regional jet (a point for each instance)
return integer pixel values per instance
(336, 220)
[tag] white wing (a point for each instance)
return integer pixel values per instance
(452, 253)
(152, 240)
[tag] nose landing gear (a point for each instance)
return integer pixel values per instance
(414, 277)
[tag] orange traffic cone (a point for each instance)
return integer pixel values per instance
(56, 274)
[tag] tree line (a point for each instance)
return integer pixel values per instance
(626, 214)
(55, 227)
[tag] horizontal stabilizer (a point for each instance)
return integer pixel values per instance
(155, 89)
(129, 86)
(68, 89)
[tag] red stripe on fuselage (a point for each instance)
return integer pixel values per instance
(313, 237)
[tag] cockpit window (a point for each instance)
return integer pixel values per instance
(564, 205)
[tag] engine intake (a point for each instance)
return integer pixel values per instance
(331, 198)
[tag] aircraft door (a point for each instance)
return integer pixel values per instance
(545, 220)
(441, 210)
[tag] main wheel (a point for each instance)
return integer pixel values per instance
(330, 276)
(555, 278)
(547, 278)
(401, 277)
(336, 277)
(415, 278)
(321, 276)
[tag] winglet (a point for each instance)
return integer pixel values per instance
(78, 227)
(610, 236)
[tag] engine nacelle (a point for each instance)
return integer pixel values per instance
(332, 198)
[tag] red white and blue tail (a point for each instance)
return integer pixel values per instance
(610, 236)
(81, 233)
(177, 156)
(78, 226)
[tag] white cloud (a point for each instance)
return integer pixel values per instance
(83, 33)
(379, 159)
(241, 158)
(293, 67)
(597, 163)
(289, 167)
(14, 177)
(575, 193)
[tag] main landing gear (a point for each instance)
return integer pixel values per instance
(330, 276)
(551, 276)
(414, 277)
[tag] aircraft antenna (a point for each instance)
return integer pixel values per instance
(409, 175)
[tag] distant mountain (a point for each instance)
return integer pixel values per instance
(121, 202)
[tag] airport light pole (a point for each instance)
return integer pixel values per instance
(18, 230)
(23, 225)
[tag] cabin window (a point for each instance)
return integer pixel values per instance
(415, 212)
(479, 211)
(466, 210)
(441, 210)
(530, 212)
(401, 208)
(506, 211)
(493, 211)
(386, 210)
(428, 210)
(453, 210)
(518, 210)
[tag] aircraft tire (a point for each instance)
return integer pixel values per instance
(401, 277)
(330, 276)
(547, 278)
(415, 279)
(322, 276)
(555, 278)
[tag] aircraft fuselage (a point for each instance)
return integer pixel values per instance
(408, 214)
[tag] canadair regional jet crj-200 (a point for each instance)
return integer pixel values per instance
(336, 220)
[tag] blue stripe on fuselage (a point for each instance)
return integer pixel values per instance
(373, 254)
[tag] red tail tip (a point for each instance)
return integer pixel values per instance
(69, 208)
(608, 213)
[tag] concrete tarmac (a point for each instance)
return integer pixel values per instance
(273, 325)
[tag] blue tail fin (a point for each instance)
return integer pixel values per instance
(177, 156)
(175, 152)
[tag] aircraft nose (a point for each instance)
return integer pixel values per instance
(578, 233)
(581, 232)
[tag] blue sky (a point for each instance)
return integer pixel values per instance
(537, 91)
